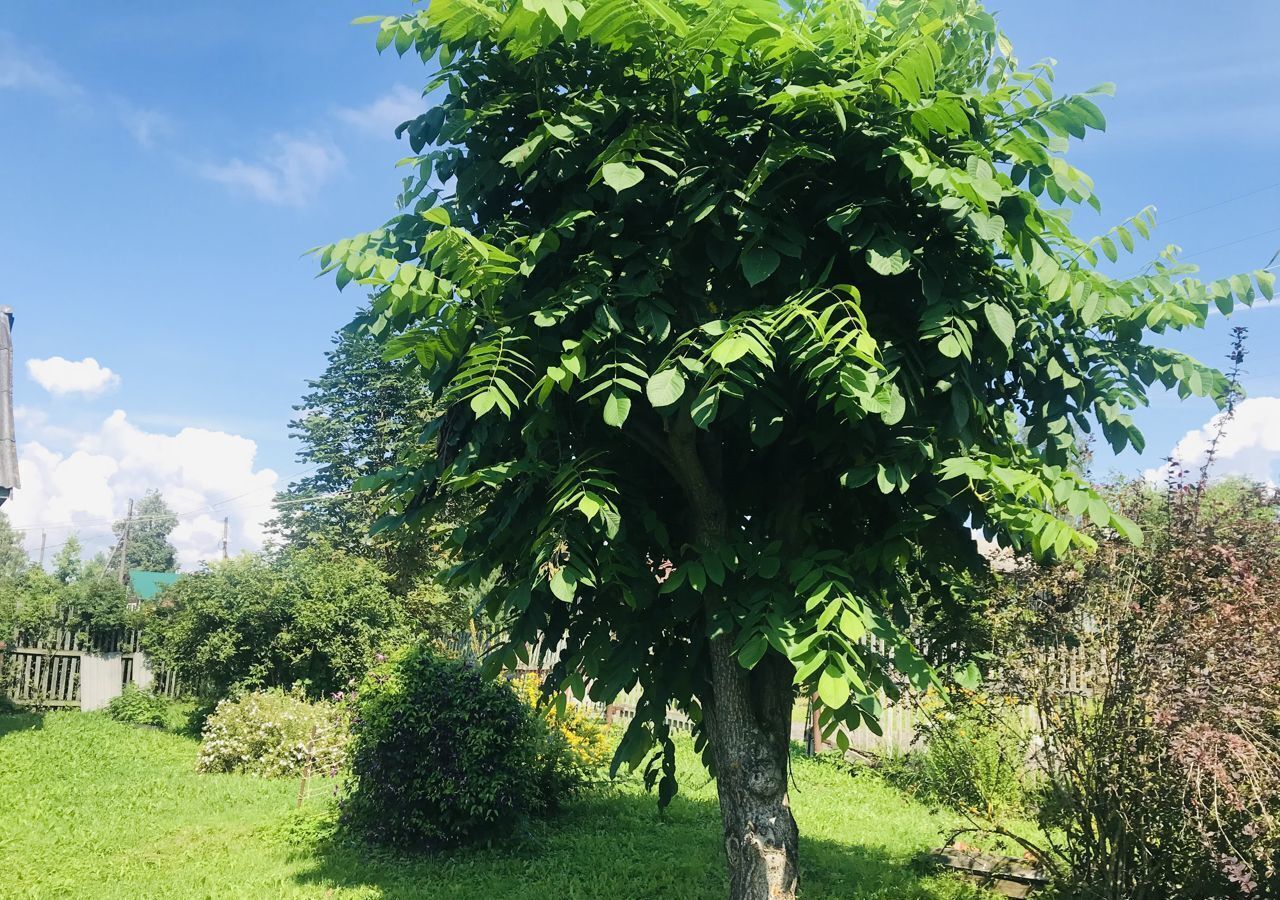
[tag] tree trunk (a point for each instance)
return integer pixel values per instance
(750, 724)
(748, 715)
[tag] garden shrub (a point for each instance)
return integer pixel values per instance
(315, 617)
(274, 733)
(972, 757)
(1164, 776)
(138, 707)
(441, 755)
(576, 746)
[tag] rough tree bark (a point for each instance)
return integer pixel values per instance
(748, 717)
(750, 725)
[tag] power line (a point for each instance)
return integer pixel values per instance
(1196, 212)
(1230, 243)
(105, 523)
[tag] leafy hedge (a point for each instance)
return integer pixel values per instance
(315, 618)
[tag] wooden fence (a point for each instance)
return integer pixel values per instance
(1073, 670)
(67, 668)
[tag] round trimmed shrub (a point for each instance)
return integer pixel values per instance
(441, 755)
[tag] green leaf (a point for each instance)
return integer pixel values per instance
(730, 349)
(1099, 512)
(482, 402)
(888, 257)
(1001, 322)
(851, 626)
(833, 688)
(896, 409)
(621, 176)
(705, 407)
(665, 387)
(758, 263)
(753, 652)
(697, 576)
(617, 406)
(1266, 283)
(563, 583)
(1127, 529)
(969, 677)
(950, 345)
(439, 215)
(668, 787)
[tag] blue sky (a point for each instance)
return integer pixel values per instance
(165, 166)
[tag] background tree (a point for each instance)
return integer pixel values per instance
(148, 546)
(1164, 778)
(359, 417)
(742, 313)
(13, 555)
(67, 565)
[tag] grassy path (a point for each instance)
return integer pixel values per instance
(91, 808)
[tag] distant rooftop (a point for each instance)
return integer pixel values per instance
(146, 585)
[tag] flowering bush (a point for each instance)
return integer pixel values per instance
(576, 747)
(138, 707)
(273, 733)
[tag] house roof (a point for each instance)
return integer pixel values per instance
(146, 585)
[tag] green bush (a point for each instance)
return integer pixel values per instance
(138, 707)
(441, 755)
(274, 734)
(973, 759)
(314, 617)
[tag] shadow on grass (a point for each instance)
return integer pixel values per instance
(612, 846)
(11, 722)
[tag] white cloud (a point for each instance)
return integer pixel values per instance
(1250, 444)
(83, 486)
(381, 117)
(146, 126)
(24, 70)
(289, 174)
(64, 376)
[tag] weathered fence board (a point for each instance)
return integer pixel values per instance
(67, 668)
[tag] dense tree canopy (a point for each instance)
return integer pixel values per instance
(744, 313)
(359, 417)
(148, 546)
(13, 556)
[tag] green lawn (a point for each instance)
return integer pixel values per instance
(92, 808)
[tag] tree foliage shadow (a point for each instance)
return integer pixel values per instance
(11, 722)
(612, 847)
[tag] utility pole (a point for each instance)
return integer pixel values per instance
(43, 537)
(226, 534)
(124, 550)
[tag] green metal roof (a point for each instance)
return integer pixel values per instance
(146, 585)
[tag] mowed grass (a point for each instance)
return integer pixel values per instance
(93, 808)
